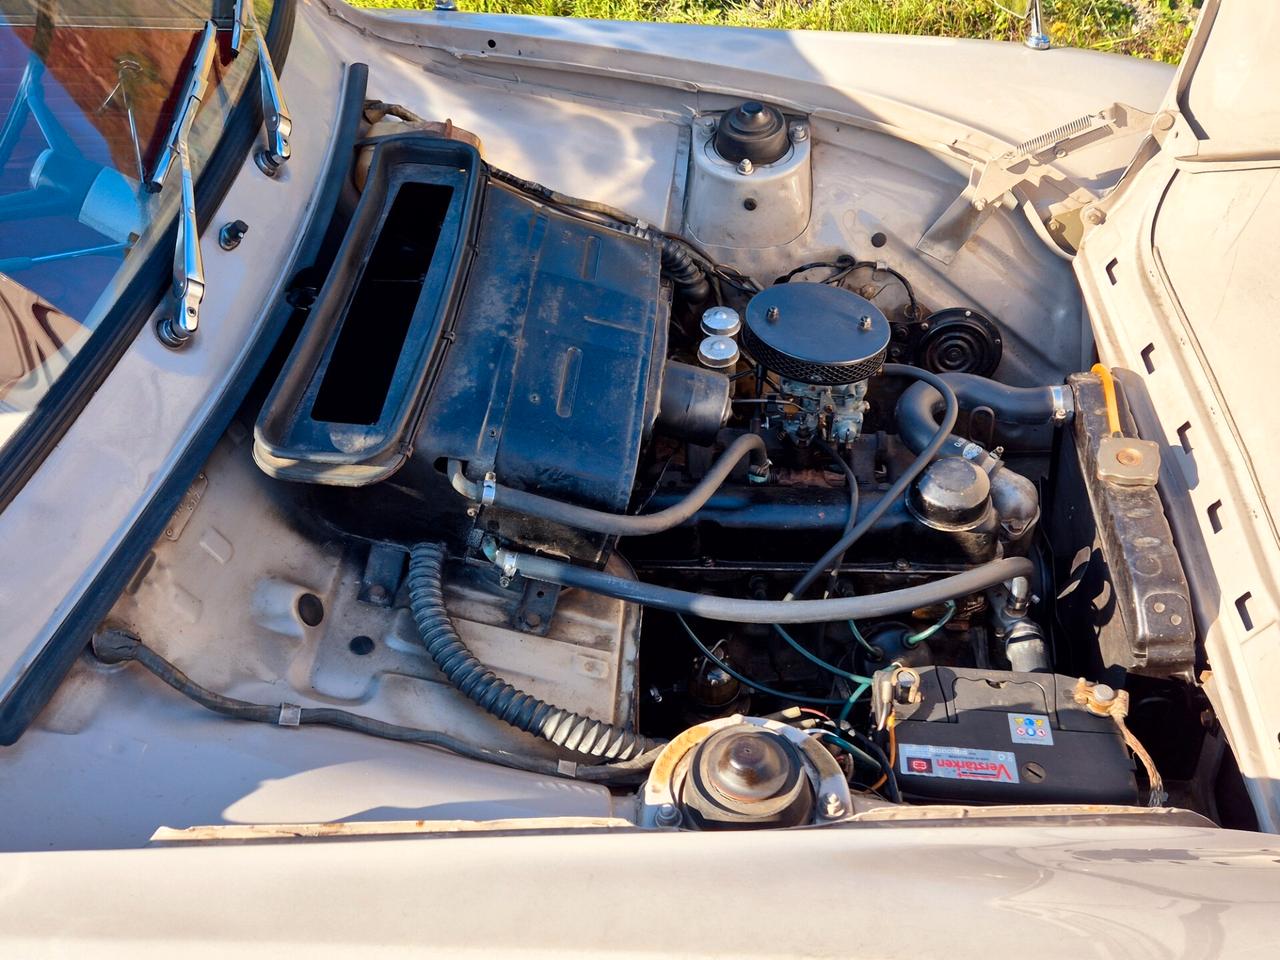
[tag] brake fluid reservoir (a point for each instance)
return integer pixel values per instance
(750, 184)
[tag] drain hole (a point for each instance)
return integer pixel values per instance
(310, 609)
(361, 646)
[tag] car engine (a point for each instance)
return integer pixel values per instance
(766, 552)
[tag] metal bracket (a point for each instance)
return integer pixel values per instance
(1027, 165)
(382, 574)
(536, 608)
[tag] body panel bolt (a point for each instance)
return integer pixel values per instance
(745, 167)
(667, 816)
(832, 806)
(231, 234)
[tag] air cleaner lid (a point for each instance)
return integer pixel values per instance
(815, 333)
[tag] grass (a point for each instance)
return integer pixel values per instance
(1154, 29)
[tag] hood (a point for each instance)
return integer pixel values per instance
(1179, 271)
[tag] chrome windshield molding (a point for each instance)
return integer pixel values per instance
(188, 265)
(197, 87)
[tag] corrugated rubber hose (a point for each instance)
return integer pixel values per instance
(573, 731)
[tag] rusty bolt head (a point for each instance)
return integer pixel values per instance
(1129, 456)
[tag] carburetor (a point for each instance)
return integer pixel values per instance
(823, 342)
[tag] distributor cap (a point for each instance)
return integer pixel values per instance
(816, 333)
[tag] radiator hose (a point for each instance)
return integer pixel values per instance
(564, 728)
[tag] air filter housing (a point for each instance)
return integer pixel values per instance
(815, 333)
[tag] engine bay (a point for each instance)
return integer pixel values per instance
(548, 487)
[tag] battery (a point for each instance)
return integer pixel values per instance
(991, 736)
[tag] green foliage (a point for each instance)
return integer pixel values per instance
(1155, 29)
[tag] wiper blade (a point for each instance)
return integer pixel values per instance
(184, 117)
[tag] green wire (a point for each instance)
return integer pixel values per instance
(754, 684)
(928, 632)
(814, 658)
(866, 645)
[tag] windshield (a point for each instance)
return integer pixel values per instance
(88, 94)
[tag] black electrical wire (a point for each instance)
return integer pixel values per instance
(873, 748)
(840, 267)
(116, 646)
(611, 216)
(906, 284)
(899, 487)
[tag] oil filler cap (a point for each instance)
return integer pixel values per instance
(752, 131)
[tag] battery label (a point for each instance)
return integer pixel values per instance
(1030, 728)
(957, 763)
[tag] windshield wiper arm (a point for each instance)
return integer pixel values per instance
(185, 115)
(275, 114)
(188, 265)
